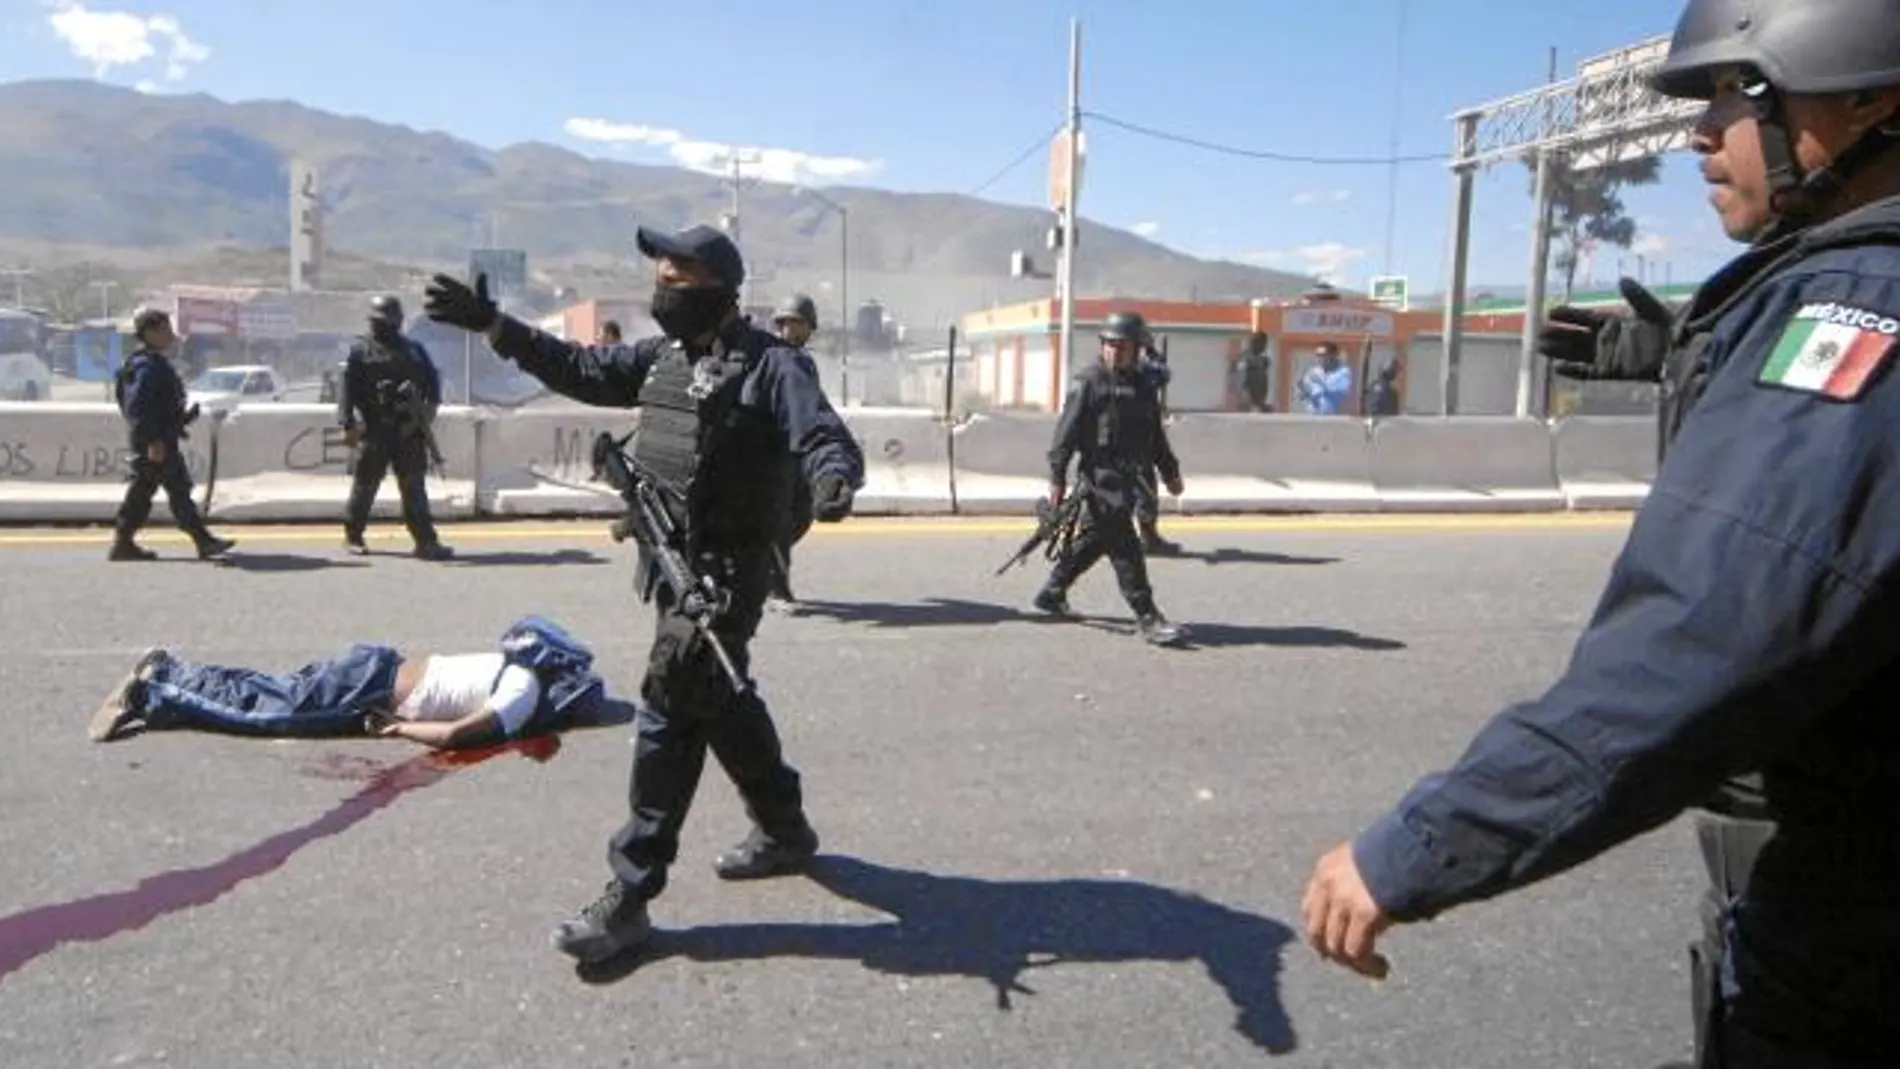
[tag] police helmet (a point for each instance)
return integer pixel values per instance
(797, 306)
(1796, 46)
(147, 318)
(1791, 46)
(386, 308)
(1125, 326)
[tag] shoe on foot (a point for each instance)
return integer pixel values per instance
(434, 551)
(211, 546)
(1157, 631)
(353, 544)
(1053, 602)
(126, 549)
(119, 711)
(782, 605)
(605, 928)
(760, 856)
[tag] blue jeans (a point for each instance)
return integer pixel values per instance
(323, 698)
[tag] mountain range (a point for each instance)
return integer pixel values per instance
(188, 188)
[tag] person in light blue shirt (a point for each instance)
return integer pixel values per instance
(1326, 385)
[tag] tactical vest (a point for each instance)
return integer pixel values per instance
(385, 368)
(1122, 415)
(723, 462)
(1687, 370)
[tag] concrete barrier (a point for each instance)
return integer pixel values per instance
(1466, 464)
(1235, 462)
(1000, 462)
(906, 461)
(64, 462)
(289, 462)
(1604, 462)
(515, 448)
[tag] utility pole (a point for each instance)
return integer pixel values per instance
(20, 274)
(1540, 258)
(737, 158)
(105, 300)
(1065, 270)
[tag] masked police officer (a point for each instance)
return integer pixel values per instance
(1153, 366)
(1111, 426)
(152, 398)
(1750, 623)
(796, 321)
(728, 412)
(390, 381)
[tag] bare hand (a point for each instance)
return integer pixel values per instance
(1175, 486)
(1342, 921)
(1056, 491)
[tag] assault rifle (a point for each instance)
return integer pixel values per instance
(412, 415)
(700, 598)
(1053, 525)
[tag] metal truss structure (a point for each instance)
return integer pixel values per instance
(1603, 115)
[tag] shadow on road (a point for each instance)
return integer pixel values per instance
(1230, 555)
(931, 612)
(1222, 636)
(283, 562)
(519, 557)
(998, 930)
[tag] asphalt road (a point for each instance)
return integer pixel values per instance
(1045, 844)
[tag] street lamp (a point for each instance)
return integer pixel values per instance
(844, 292)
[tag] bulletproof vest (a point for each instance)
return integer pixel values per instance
(123, 378)
(1125, 410)
(386, 366)
(723, 463)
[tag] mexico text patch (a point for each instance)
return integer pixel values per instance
(1831, 349)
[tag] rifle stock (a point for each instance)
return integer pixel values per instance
(699, 598)
(1049, 521)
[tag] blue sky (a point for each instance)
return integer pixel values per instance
(910, 96)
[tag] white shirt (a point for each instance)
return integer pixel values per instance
(457, 685)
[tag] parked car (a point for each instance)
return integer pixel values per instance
(228, 387)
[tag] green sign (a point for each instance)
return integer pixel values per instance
(1391, 291)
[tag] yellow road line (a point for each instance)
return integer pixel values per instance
(594, 530)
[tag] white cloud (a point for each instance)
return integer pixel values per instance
(1650, 245)
(1323, 196)
(784, 165)
(1146, 230)
(108, 39)
(1325, 261)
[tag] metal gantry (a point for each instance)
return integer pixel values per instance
(1605, 114)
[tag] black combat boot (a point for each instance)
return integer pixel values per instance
(210, 546)
(123, 548)
(1154, 545)
(1155, 629)
(1054, 601)
(761, 855)
(433, 551)
(607, 927)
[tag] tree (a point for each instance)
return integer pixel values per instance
(1585, 207)
(67, 293)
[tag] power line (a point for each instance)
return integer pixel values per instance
(1260, 154)
(1021, 158)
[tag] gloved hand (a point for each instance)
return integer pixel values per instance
(1588, 345)
(191, 414)
(830, 499)
(449, 300)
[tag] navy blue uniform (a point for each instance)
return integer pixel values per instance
(724, 434)
(1111, 427)
(152, 398)
(1154, 369)
(369, 403)
(1750, 623)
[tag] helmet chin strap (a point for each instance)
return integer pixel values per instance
(1798, 199)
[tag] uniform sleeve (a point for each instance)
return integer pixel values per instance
(606, 375)
(1069, 430)
(142, 405)
(348, 390)
(1754, 595)
(813, 428)
(1165, 461)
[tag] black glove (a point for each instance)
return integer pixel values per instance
(191, 414)
(1587, 345)
(449, 300)
(830, 499)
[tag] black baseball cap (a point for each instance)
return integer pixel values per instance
(702, 244)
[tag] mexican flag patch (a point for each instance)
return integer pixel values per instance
(1831, 349)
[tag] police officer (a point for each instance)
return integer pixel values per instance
(390, 381)
(1750, 621)
(1153, 367)
(1111, 426)
(796, 321)
(728, 412)
(152, 398)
